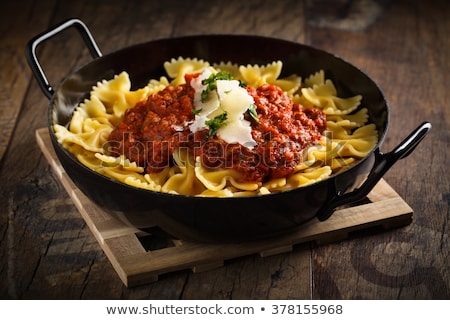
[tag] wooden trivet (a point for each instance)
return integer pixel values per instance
(135, 264)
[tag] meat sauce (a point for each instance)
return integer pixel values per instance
(153, 129)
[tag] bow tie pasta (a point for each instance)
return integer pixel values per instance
(219, 130)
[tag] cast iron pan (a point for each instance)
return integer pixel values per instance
(219, 219)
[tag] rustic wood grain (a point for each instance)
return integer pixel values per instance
(138, 263)
(404, 52)
(15, 74)
(47, 251)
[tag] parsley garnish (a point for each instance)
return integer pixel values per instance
(196, 111)
(210, 83)
(216, 123)
(242, 84)
(252, 112)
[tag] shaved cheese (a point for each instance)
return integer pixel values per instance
(237, 132)
(229, 97)
(208, 106)
(235, 100)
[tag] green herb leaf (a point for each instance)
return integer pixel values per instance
(242, 84)
(204, 95)
(216, 123)
(196, 111)
(210, 83)
(252, 112)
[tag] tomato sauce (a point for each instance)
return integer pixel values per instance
(153, 129)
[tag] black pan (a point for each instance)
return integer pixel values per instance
(220, 219)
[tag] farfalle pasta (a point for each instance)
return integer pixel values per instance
(214, 108)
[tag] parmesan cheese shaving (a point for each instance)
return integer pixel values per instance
(230, 98)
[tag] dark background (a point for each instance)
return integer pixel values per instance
(48, 252)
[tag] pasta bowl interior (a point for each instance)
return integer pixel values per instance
(219, 137)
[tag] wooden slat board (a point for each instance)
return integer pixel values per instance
(136, 265)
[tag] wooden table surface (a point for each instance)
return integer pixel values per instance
(47, 251)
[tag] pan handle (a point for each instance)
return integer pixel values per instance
(30, 50)
(383, 162)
